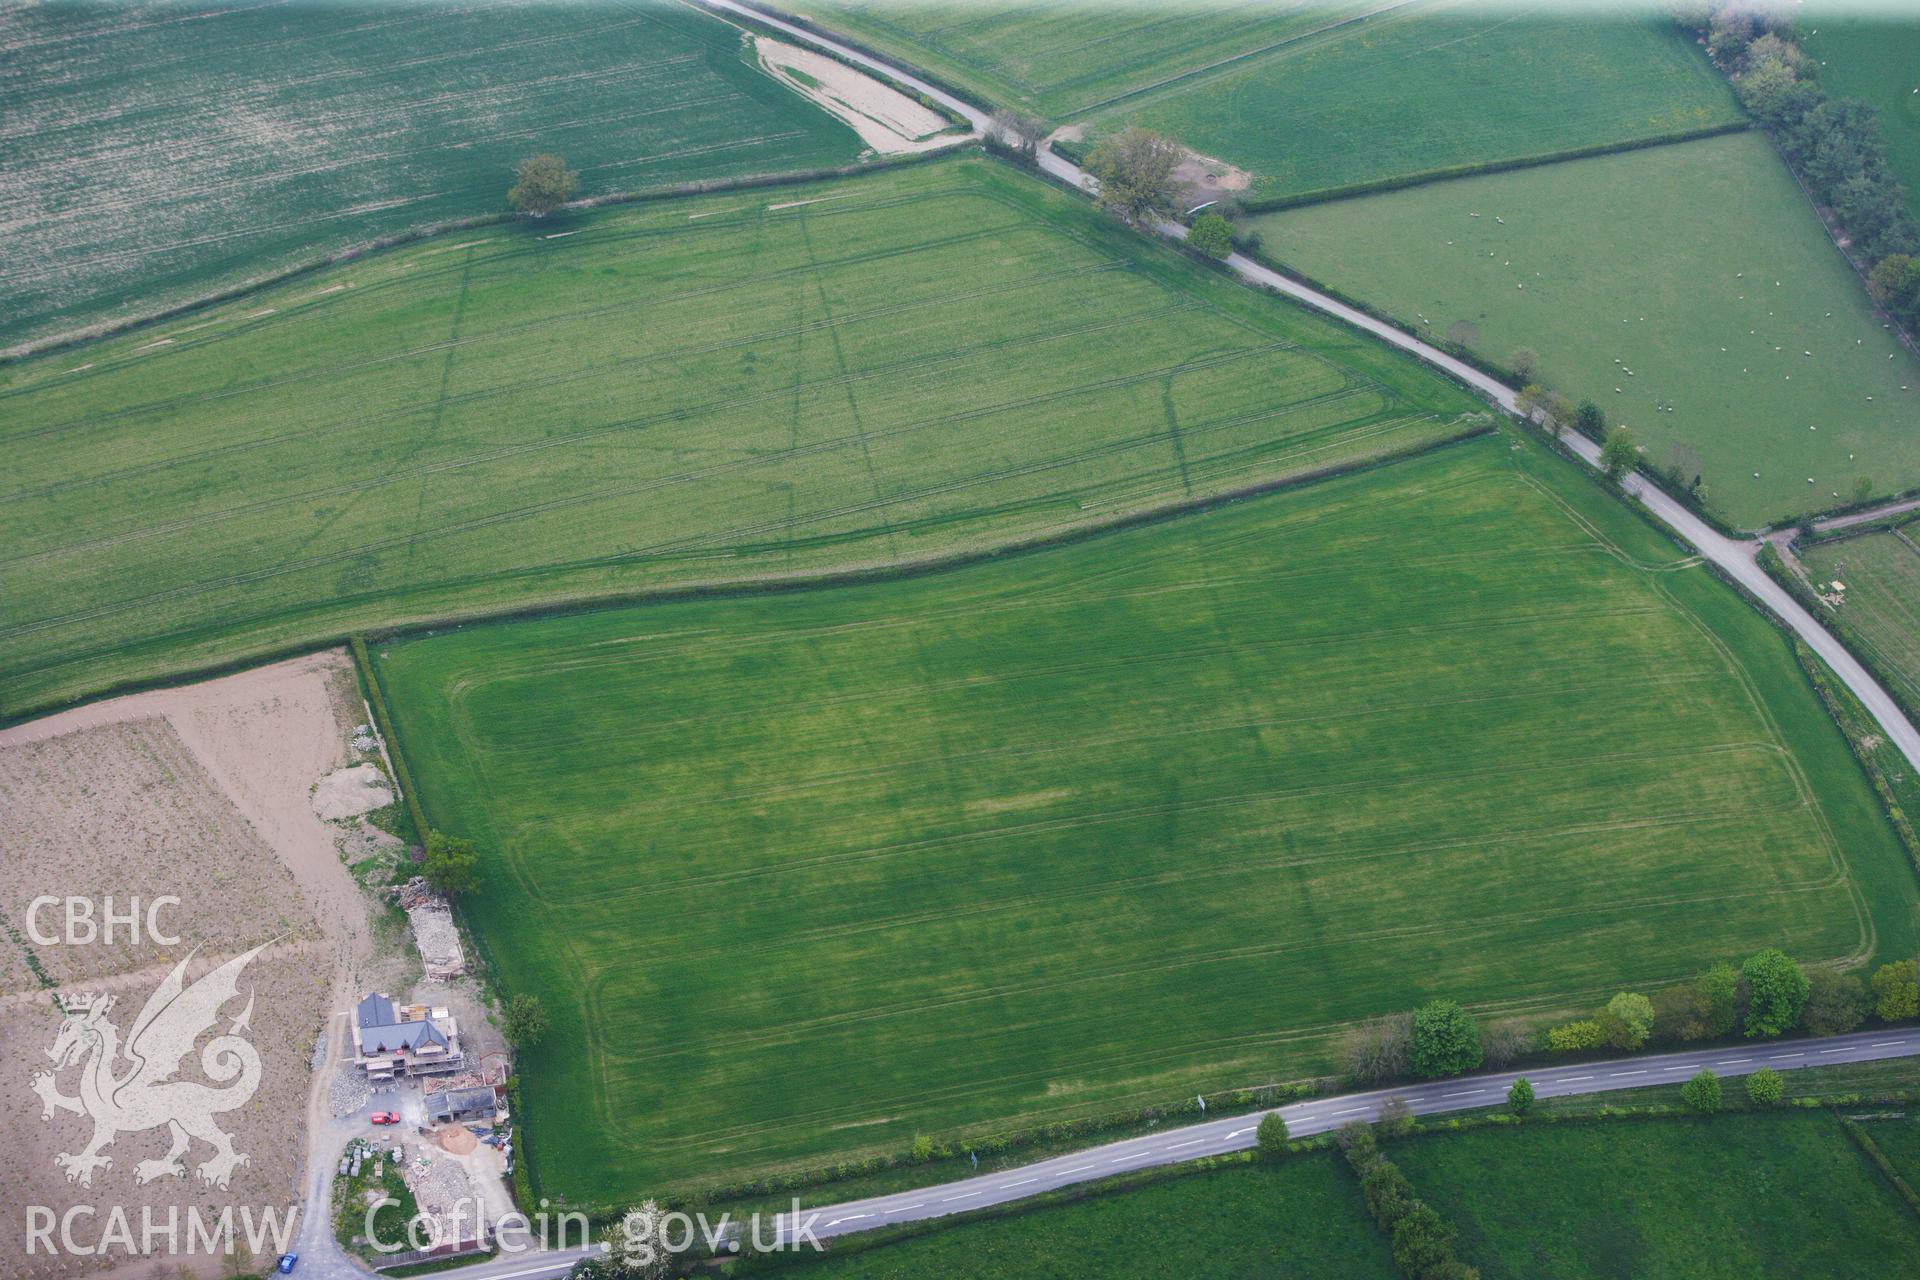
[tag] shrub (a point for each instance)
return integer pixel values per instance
(1627, 1020)
(1272, 1134)
(1776, 990)
(1765, 1087)
(1896, 991)
(1520, 1097)
(1396, 1118)
(451, 865)
(923, 1148)
(1379, 1050)
(1571, 1037)
(1702, 1093)
(523, 1021)
(1446, 1041)
(1212, 235)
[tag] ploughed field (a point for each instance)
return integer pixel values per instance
(769, 383)
(1687, 290)
(1881, 600)
(159, 151)
(803, 875)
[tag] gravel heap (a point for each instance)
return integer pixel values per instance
(348, 1092)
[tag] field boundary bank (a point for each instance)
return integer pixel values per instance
(1833, 700)
(376, 696)
(1490, 1116)
(1470, 428)
(1233, 59)
(1077, 152)
(1878, 1159)
(71, 339)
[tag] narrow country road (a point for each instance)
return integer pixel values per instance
(1320, 1115)
(1734, 557)
(1304, 1119)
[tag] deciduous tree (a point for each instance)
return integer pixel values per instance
(1619, 454)
(1776, 989)
(1520, 1097)
(1446, 1040)
(1836, 1003)
(1271, 1134)
(1135, 168)
(1702, 1093)
(1896, 991)
(1765, 1087)
(1212, 235)
(542, 183)
(1627, 1020)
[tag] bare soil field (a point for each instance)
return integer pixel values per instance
(204, 793)
(886, 119)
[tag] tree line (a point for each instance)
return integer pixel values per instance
(1770, 995)
(1833, 144)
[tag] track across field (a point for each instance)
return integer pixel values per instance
(804, 875)
(1687, 290)
(158, 151)
(771, 383)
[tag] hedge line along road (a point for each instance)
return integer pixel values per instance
(1321, 1115)
(1734, 557)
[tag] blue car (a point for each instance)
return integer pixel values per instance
(286, 1263)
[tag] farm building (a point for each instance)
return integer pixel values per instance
(463, 1104)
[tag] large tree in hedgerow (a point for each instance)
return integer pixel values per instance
(1135, 168)
(1446, 1040)
(1775, 991)
(542, 183)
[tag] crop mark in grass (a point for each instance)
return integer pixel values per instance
(513, 515)
(865, 258)
(924, 365)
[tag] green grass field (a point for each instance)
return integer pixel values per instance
(1899, 1141)
(1435, 86)
(1878, 61)
(1060, 59)
(1651, 261)
(1301, 1219)
(1882, 576)
(807, 874)
(1783, 1194)
(889, 368)
(157, 151)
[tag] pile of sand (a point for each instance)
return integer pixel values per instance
(350, 792)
